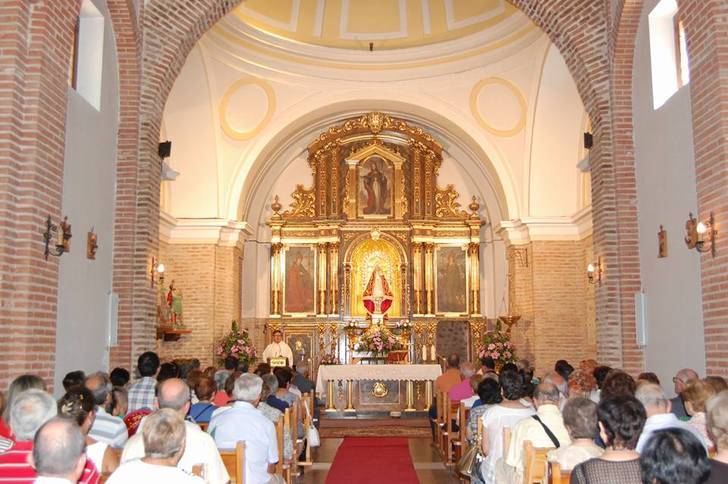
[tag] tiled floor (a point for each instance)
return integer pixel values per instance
(427, 463)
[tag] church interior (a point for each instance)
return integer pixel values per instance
(375, 186)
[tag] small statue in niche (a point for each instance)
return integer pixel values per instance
(662, 243)
(174, 302)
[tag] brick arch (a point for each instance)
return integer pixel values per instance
(128, 57)
(584, 33)
(622, 43)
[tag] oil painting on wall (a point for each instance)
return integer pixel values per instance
(451, 280)
(299, 290)
(375, 188)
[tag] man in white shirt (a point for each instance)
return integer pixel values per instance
(244, 422)
(659, 415)
(163, 439)
(278, 348)
(106, 428)
(199, 447)
(546, 400)
(58, 452)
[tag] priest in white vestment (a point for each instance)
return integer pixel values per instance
(278, 348)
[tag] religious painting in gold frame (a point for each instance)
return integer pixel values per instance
(451, 282)
(375, 182)
(301, 342)
(299, 294)
(365, 257)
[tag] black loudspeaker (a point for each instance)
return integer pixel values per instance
(588, 140)
(165, 149)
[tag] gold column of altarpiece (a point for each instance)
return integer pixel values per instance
(374, 176)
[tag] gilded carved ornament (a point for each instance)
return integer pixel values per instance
(303, 205)
(375, 123)
(446, 204)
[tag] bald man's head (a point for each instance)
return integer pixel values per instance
(174, 394)
(58, 450)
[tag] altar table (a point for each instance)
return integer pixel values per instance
(329, 375)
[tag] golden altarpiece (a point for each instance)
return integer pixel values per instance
(375, 204)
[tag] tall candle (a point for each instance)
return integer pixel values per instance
(432, 353)
(424, 352)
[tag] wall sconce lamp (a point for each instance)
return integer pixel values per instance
(698, 233)
(594, 272)
(157, 271)
(61, 233)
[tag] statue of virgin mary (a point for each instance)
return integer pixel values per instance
(377, 296)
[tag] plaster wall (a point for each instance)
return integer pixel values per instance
(666, 194)
(88, 201)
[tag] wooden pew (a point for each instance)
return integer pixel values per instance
(234, 461)
(308, 399)
(448, 434)
(280, 424)
(535, 463)
(439, 422)
(558, 476)
(458, 439)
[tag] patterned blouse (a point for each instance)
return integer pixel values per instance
(273, 414)
(600, 471)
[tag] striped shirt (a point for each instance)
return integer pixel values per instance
(15, 469)
(5, 444)
(141, 394)
(108, 429)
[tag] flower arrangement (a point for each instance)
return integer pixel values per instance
(379, 340)
(497, 344)
(236, 343)
(329, 359)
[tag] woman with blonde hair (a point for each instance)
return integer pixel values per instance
(696, 395)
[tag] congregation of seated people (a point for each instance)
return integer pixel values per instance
(169, 425)
(596, 424)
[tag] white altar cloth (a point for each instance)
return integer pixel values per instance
(374, 372)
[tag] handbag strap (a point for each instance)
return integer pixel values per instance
(548, 431)
(201, 412)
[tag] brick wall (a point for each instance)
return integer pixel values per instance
(555, 301)
(208, 277)
(707, 38)
(34, 55)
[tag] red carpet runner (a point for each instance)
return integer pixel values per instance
(372, 460)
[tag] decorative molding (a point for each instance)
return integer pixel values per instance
(528, 229)
(453, 24)
(366, 36)
(504, 39)
(213, 231)
(291, 26)
(225, 104)
(520, 98)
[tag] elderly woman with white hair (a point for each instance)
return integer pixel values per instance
(164, 435)
(243, 422)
